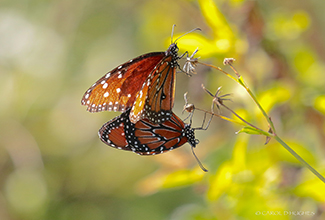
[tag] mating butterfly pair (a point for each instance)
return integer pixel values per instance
(144, 89)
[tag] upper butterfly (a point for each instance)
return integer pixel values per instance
(145, 83)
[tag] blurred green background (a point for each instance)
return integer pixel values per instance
(53, 165)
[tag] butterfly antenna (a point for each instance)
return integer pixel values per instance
(171, 38)
(198, 161)
(195, 29)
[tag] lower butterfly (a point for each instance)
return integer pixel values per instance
(145, 83)
(146, 138)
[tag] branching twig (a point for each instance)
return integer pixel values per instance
(218, 101)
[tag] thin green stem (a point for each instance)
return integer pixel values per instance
(218, 68)
(258, 104)
(243, 122)
(247, 123)
(278, 139)
(222, 117)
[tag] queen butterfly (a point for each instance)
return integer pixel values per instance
(145, 83)
(146, 138)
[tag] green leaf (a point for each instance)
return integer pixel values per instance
(241, 81)
(249, 130)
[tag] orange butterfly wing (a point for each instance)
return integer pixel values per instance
(117, 90)
(112, 133)
(160, 138)
(156, 98)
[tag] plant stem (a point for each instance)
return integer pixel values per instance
(247, 123)
(258, 104)
(218, 68)
(278, 139)
(222, 117)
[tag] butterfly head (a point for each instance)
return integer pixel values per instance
(189, 133)
(172, 50)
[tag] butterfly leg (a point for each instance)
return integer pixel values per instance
(188, 107)
(203, 122)
(184, 70)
